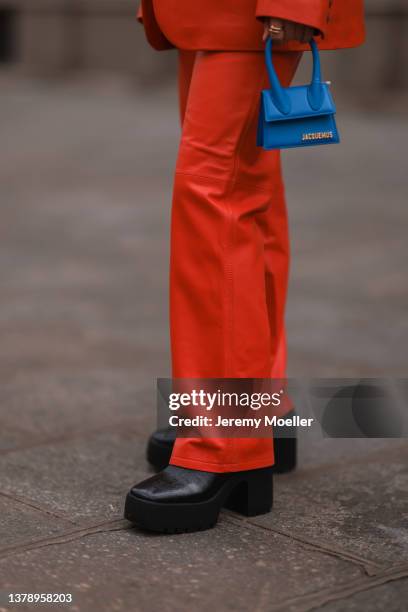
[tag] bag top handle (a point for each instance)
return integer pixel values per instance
(315, 92)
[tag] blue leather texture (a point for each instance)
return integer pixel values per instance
(300, 116)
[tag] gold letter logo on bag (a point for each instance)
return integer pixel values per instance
(317, 136)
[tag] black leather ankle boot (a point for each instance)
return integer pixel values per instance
(160, 446)
(178, 500)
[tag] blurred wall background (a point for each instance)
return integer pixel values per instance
(54, 38)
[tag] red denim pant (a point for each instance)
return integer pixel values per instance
(229, 242)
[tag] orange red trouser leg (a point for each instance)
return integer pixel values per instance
(229, 243)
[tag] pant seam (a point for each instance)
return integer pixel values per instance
(228, 354)
(229, 340)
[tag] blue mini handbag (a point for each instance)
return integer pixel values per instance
(296, 116)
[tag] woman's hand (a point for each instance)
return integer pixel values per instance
(281, 30)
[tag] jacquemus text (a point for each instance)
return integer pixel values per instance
(317, 136)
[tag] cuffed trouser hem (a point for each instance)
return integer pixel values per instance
(205, 466)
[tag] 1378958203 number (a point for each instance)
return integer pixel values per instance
(43, 598)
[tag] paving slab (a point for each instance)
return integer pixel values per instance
(316, 450)
(81, 479)
(22, 522)
(341, 226)
(392, 597)
(359, 509)
(232, 567)
(52, 405)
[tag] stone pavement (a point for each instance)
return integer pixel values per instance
(85, 180)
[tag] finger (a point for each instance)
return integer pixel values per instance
(265, 32)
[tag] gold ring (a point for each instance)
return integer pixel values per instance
(274, 29)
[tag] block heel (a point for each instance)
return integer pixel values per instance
(285, 448)
(254, 495)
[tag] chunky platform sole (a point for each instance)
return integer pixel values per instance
(249, 493)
